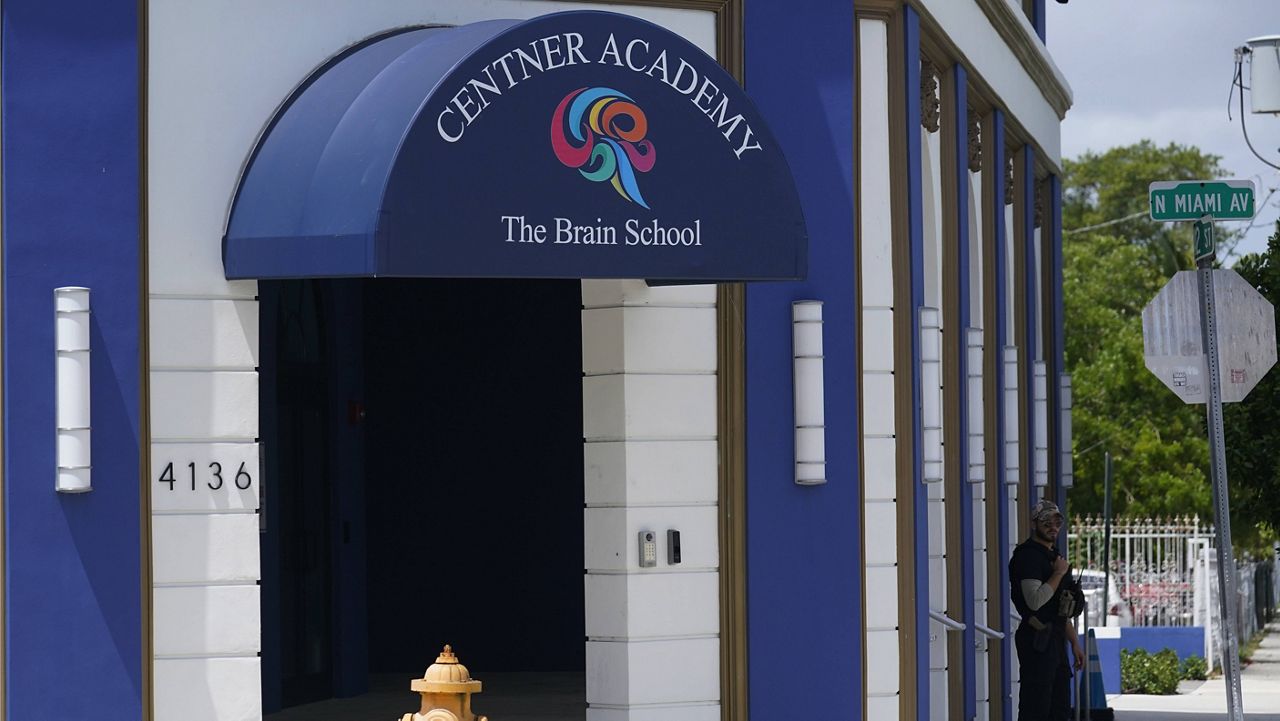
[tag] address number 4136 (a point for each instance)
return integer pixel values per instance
(214, 477)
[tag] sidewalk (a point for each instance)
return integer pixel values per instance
(1207, 700)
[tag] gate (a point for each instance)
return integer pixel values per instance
(1153, 565)
(1165, 573)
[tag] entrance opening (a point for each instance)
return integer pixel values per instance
(423, 450)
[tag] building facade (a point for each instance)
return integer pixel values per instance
(371, 365)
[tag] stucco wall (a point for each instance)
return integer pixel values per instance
(216, 73)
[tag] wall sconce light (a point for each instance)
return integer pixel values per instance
(1040, 404)
(809, 395)
(71, 384)
(1011, 475)
(977, 411)
(931, 393)
(1064, 431)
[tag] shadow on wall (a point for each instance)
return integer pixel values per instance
(99, 546)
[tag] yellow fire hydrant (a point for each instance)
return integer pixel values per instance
(446, 690)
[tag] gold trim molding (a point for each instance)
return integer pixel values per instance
(1021, 38)
(1013, 27)
(146, 534)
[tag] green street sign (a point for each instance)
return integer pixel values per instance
(1204, 239)
(1190, 199)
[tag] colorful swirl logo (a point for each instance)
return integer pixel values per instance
(609, 129)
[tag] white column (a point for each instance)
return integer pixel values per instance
(651, 465)
(1040, 411)
(204, 499)
(978, 411)
(879, 446)
(932, 335)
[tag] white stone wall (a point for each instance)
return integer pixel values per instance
(1013, 533)
(879, 445)
(216, 73)
(932, 211)
(651, 464)
(983, 562)
(204, 403)
(1040, 297)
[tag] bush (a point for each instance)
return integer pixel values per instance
(1194, 668)
(1142, 672)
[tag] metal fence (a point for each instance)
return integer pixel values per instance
(1255, 599)
(1153, 562)
(1164, 573)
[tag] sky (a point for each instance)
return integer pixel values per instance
(1161, 70)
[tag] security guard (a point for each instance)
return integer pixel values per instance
(1036, 574)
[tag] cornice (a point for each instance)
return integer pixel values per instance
(1016, 31)
(1026, 46)
(882, 8)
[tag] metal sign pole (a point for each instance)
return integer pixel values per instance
(1221, 508)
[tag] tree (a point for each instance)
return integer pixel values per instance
(1158, 445)
(1115, 260)
(1253, 426)
(1111, 188)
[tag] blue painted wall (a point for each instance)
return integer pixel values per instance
(915, 229)
(1109, 663)
(71, 217)
(803, 579)
(1054, 234)
(968, 660)
(1031, 320)
(1184, 640)
(1001, 265)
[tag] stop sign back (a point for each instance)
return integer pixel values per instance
(1173, 348)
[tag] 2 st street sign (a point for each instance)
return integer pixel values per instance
(1191, 199)
(1204, 245)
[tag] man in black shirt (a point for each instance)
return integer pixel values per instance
(1035, 573)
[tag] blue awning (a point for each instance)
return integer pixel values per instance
(573, 145)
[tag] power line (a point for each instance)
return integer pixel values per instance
(1138, 214)
(1259, 207)
(1238, 80)
(1142, 213)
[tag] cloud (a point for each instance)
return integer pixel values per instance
(1205, 128)
(1099, 129)
(1161, 70)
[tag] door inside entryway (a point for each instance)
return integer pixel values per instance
(423, 456)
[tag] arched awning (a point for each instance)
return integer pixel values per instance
(573, 145)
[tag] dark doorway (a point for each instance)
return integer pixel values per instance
(428, 481)
(300, 546)
(474, 484)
